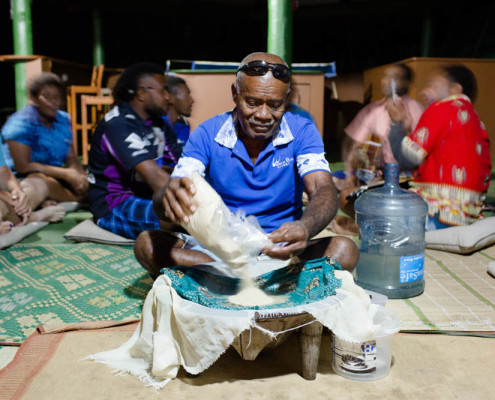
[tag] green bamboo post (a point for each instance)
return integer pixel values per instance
(23, 46)
(427, 33)
(98, 49)
(280, 29)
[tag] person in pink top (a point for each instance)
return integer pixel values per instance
(366, 148)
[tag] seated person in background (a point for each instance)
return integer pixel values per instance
(15, 207)
(179, 108)
(39, 140)
(366, 148)
(128, 148)
(449, 151)
(271, 156)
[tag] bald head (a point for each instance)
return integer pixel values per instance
(271, 58)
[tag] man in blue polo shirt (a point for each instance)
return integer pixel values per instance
(179, 108)
(258, 158)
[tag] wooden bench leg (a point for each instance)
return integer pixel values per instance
(310, 339)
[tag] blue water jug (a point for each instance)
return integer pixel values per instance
(391, 223)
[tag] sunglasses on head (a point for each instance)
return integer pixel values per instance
(260, 68)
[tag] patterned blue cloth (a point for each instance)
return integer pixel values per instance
(130, 218)
(301, 284)
(49, 146)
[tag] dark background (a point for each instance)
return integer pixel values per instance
(357, 34)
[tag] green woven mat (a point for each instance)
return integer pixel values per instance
(57, 284)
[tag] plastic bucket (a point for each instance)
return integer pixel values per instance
(370, 360)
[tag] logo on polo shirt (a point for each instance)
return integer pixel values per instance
(282, 162)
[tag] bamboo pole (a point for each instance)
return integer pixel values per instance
(280, 29)
(98, 49)
(23, 45)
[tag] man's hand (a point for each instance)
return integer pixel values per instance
(20, 204)
(177, 200)
(397, 111)
(295, 235)
(77, 180)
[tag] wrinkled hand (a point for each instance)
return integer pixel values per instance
(397, 111)
(20, 204)
(78, 181)
(295, 235)
(177, 200)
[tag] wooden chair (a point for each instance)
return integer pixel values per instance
(73, 91)
(98, 105)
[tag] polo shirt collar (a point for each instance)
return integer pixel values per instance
(227, 135)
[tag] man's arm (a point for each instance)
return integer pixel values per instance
(72, 161)
(349, 155)
(407, 160)
(155, 176)
(321, 209)
(21, 154)
(323, 202)
(398, 137)
(16, 198)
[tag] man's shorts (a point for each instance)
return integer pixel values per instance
(130, 218)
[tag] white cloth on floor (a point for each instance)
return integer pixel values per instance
(175, 332)
(20, 232)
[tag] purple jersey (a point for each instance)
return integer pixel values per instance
(121, 141)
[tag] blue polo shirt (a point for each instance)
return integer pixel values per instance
(181, 129)
(271, 189)
(49, 146)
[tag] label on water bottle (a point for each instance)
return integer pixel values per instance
(412, 268)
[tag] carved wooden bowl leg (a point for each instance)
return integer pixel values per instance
(310, 339)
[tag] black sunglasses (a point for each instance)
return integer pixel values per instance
(260, 68)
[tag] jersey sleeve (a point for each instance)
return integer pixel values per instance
(125, 145)
(309, 150)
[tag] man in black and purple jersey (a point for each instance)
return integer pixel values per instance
(131, 151)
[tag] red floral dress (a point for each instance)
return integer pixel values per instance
(453, 147)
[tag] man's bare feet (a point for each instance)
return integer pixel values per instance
(48, 214)
(48, 203)
(5, 227)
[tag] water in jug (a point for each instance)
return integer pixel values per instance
(391, 223)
